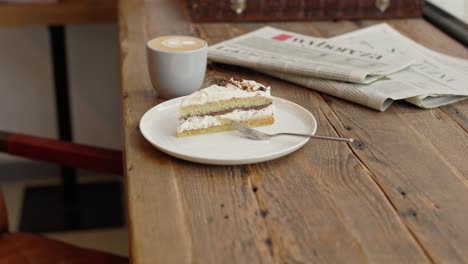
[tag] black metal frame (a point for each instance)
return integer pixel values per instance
(62, 102)
(71, 205)
(448, 23)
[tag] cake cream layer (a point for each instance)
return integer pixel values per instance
(202, 122)
(225, 96)
(232, 89)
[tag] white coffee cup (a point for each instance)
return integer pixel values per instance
(176, 64)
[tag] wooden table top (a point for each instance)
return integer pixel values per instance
(63, 12)
(399, 197)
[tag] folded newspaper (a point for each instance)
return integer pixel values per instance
(372, 66)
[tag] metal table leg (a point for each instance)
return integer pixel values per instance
(71, 205)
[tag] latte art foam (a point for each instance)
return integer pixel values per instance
(177, 43)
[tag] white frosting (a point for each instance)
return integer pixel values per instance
(215, 93)
(200, 122)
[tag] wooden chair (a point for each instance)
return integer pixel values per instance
(34, 249)
(61, 152)
(25, 248)
(56, 15)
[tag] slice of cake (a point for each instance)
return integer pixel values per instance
(212, 108)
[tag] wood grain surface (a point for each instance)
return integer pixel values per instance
(63, 12)
(397, 196)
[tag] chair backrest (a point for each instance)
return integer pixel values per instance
(3, 215)
(3, 212)
(62, 152)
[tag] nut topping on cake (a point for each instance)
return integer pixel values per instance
(249, 86)
(221, 82)
(245, 85)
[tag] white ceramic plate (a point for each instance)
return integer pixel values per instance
(159, 126)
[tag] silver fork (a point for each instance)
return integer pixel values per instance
(257, 135)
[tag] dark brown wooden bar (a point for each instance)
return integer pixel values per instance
(63, 12)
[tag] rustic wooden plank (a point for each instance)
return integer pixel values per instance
(151, 189)
(435, 125)
(426, 191)
(305, 211)
(459, 113)
(64, 12)
(437, 128)
(431, 126)
(223, 214)
(431, 123)
(423, 187)
(329, 193)
(177, 214)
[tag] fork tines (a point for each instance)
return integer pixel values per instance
(247, 131)
(240, 127)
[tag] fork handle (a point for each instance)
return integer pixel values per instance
(351, 140)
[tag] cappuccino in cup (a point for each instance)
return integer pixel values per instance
(176, 64)
(177, 43)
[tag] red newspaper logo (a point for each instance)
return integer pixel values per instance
(282, 37)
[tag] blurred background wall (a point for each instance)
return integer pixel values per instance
(26, 84)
